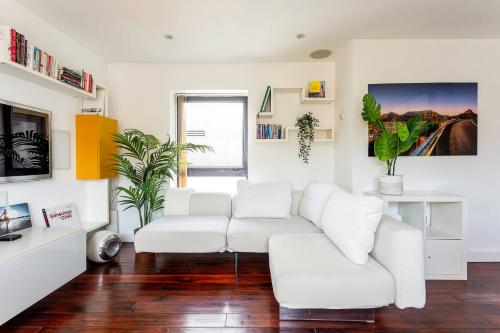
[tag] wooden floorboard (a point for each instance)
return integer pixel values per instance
(191, 293)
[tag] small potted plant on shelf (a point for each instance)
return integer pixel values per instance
(148, 164)
(391, 142)
(306, 124)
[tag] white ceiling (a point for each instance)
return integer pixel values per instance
(255, 30)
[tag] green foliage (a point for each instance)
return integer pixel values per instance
(389, 145)
(306, 125)
(147, 163)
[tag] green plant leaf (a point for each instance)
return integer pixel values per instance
(371, 111)
(386, 146)
(402, 131)
(415, 128)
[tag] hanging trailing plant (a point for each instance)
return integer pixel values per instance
(306, 124)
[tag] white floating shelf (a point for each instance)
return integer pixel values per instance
(265, 114)
(30, 75)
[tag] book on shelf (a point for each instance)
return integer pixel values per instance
(316, 89)
(269, 131)
(266, 103)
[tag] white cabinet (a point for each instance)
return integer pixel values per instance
(35, 265)
(442, 219)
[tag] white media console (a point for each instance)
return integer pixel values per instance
(35, 265)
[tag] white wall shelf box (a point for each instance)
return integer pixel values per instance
(26, 73)
(35, 265)
(442, 218)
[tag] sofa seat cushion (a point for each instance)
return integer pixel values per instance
(252, 234)
(183, 234)
(309, 271)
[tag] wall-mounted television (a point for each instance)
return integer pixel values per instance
(25, 143)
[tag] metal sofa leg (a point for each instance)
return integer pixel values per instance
(236, 265)
(357, 315)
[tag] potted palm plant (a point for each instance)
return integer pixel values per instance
(391, 143)
(148, 164)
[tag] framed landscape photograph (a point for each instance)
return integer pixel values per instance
(14, 218)
(448, 109)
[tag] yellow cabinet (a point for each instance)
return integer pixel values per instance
(94, 146)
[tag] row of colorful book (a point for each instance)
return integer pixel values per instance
(270, 131)
(25, 54)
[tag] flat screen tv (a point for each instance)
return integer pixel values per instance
(25, 147)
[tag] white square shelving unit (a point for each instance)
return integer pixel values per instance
(442, 218)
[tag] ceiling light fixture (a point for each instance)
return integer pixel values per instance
(320, 54)
(300, 36)
(168, 36)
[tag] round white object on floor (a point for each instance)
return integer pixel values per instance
(102, 246)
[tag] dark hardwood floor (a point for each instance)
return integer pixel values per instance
(199, 293)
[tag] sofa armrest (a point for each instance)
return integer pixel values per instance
(399, 248)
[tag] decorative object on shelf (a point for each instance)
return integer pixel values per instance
(93, 110)
(103, 246)
(14, 218)
(65, 215)
(306, 124)
(316, 89)
(392, 141)
(449, 110)
(266, 102)
(147, 163)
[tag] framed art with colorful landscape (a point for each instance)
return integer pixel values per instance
(449, 110)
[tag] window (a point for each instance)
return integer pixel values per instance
(220, 122)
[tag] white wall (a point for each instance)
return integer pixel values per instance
(476, 177)
(142, 98)
(63, 187)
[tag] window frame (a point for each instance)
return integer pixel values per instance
(220, 171)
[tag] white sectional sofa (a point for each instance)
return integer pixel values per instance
(308, 270)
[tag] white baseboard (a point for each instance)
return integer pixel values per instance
(484, 255)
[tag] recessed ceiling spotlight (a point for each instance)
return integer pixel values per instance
(300, 36)
(168, 36)
(320, 54)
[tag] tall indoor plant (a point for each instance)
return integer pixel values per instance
(391, 143)
(147, 163)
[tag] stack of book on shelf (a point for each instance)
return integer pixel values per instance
(81, 80)
(19, 48)
(316, 89)
(44, 63)
(269, 131)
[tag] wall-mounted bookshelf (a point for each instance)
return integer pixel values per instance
(322, 134)
(27, 73)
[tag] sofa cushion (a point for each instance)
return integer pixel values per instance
(263, 200)
(183, 234)
(207, 203)
(313, 202)
(252, 234)
(309, 271)
(350, 221)
(177, 201)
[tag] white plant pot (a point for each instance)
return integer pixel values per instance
(391, 185)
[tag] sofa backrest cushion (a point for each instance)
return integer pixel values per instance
(265, 200)
(296, 200)
(314, 200)
(350, 221)
(177, 201)
(205, 203)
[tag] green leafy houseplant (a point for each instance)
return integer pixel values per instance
(306, 124)
(391, 143)
(147, 163)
